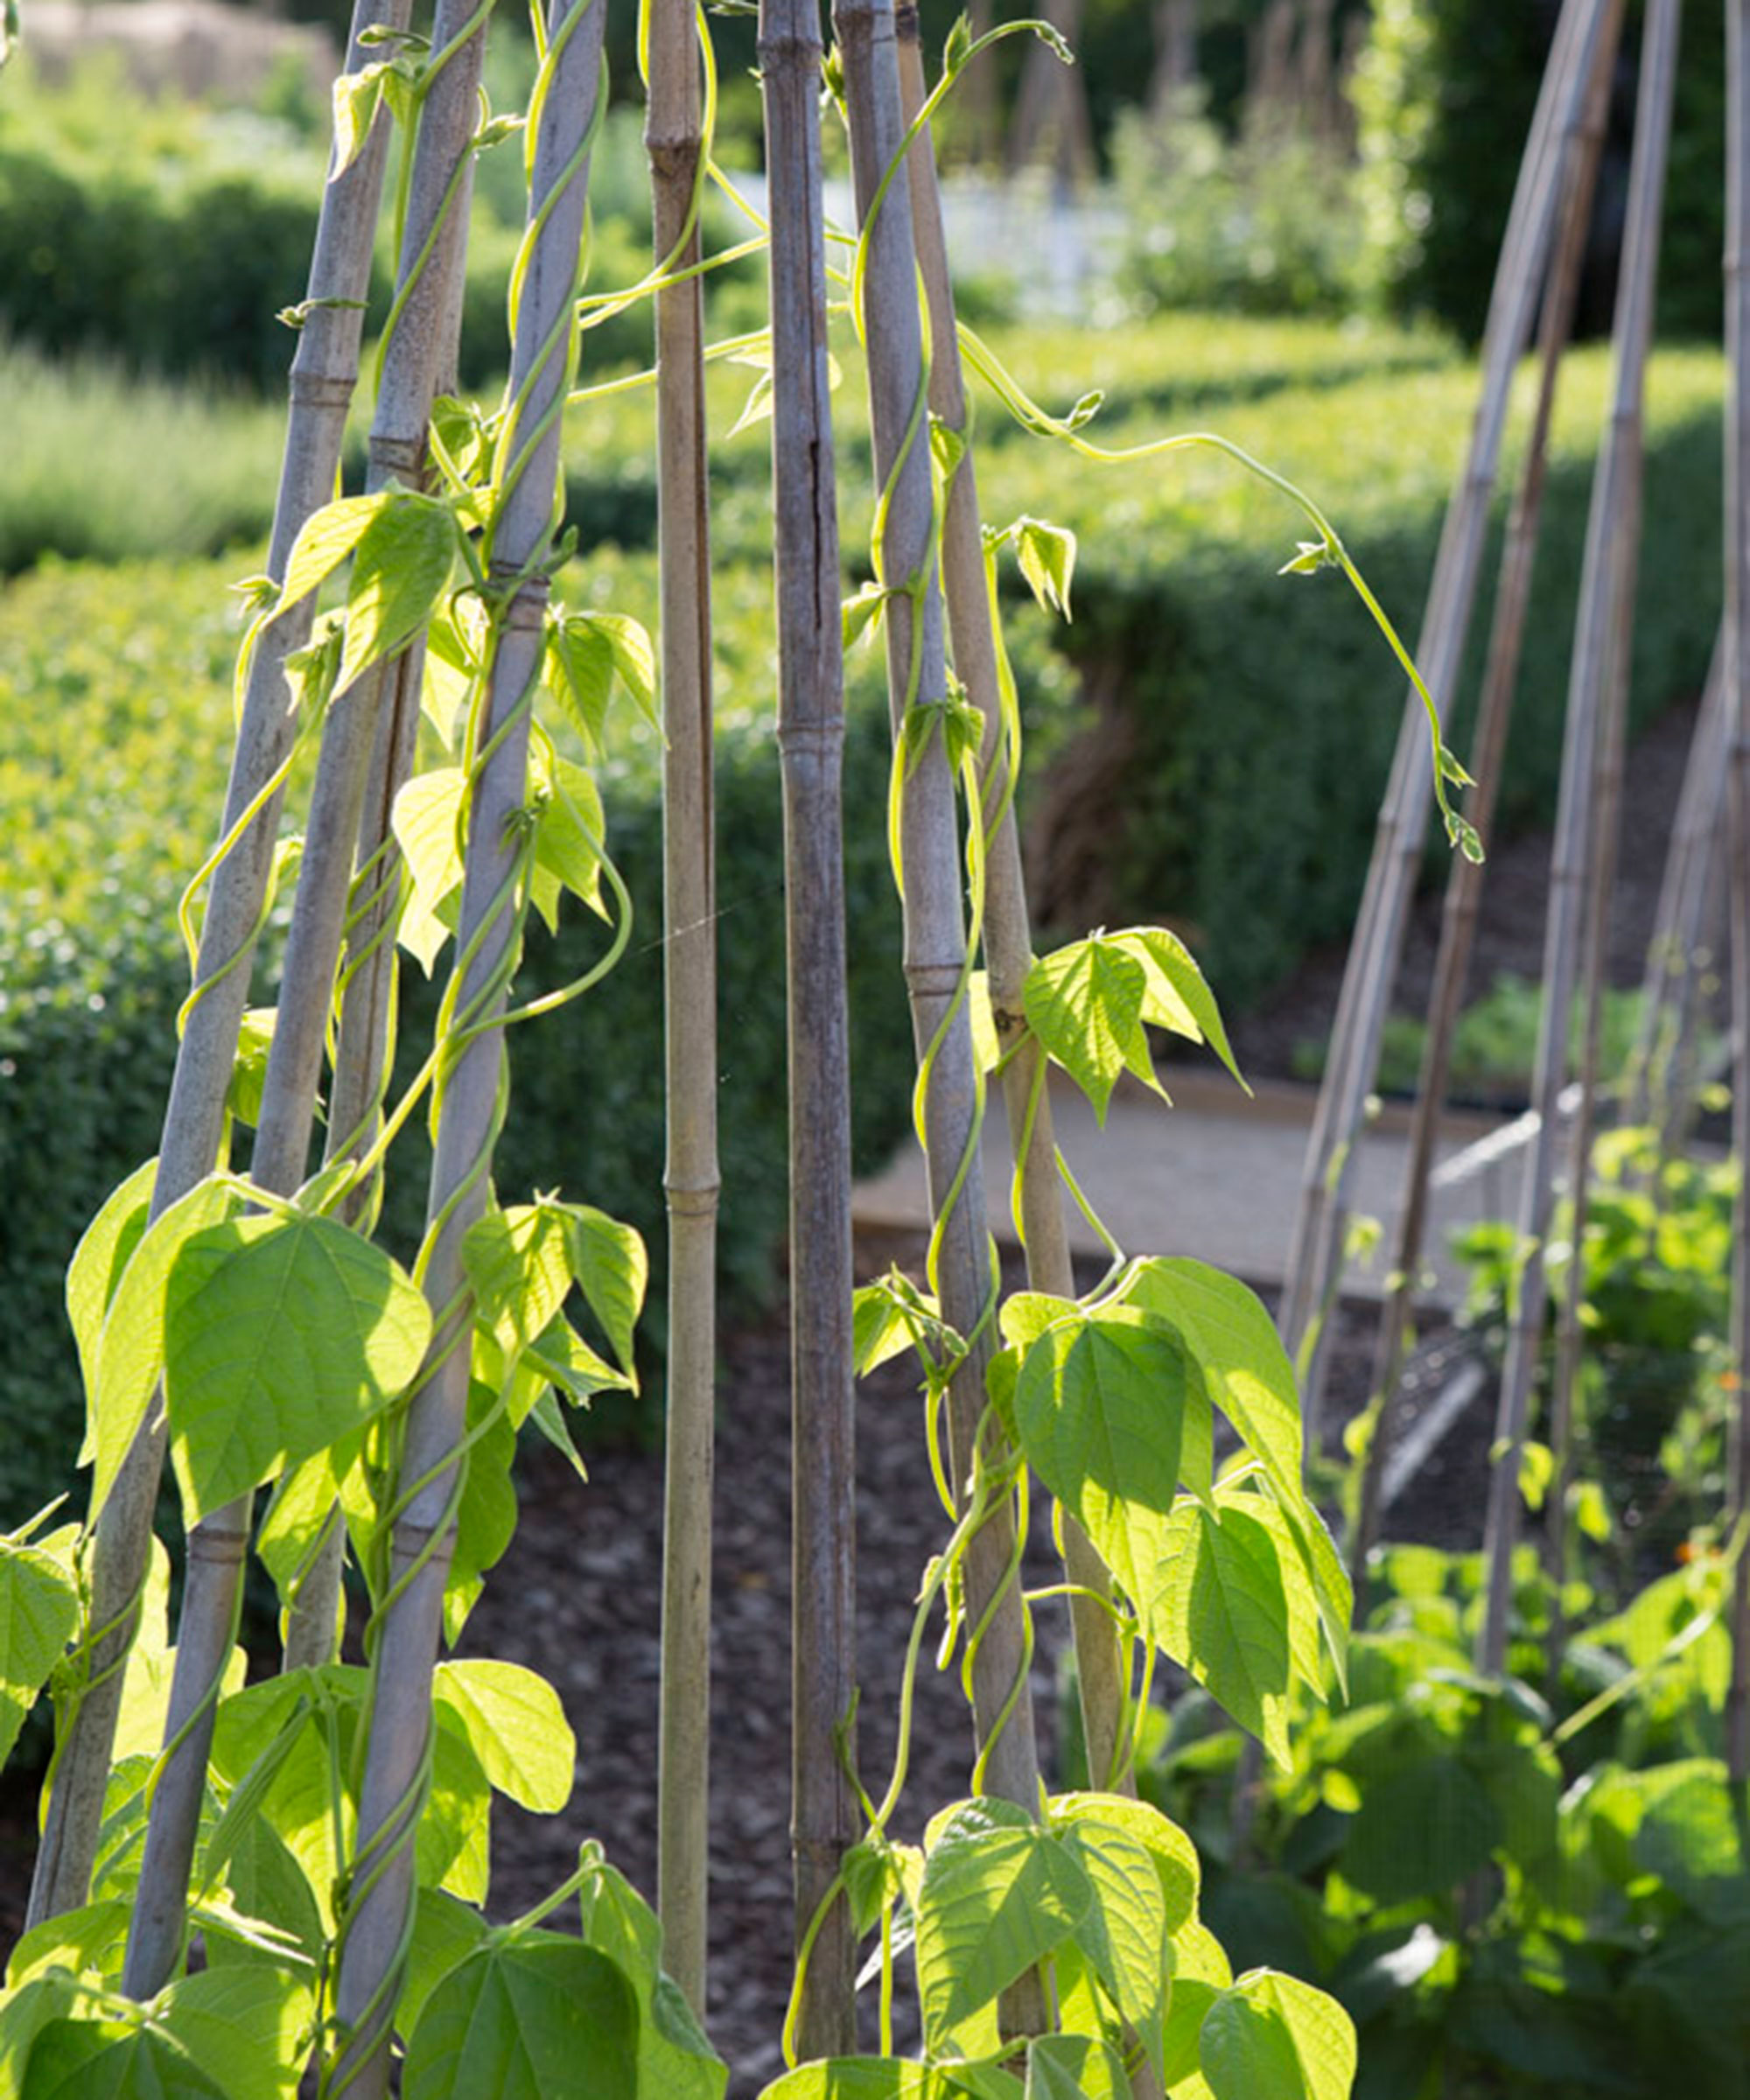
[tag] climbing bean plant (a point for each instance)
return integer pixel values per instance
(339, 1853)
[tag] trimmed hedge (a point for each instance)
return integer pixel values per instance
(1244, 721)
(121, 681)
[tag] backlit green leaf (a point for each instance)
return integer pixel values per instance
(612, 1269)
(327, 537)
(38, 1616)
(401, 569)
(519, 1265)
(999, 1894)
(1046, 554)
(1100, 1408)
(281, 1335)
(1124, 1934)
(424, 821)
(675, 2059)
(1178, 995)
(1273, 2035)
(1220, 1610)
(1084, 1003)
(356, 97)
(247, 2025)
(132, 1350)
(515, 1726)
(445, 1932)
(1075, 2067)
(97, 1265)
(1175, 1856)
(529, 2016)
(1235, 1343)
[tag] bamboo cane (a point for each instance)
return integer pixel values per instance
(1465, 879)
(675, 144)
(811, 744)
(364, 1051)
(405, 1646)
(1608, 578)
(1008, 936)
(935, 945)
(219, 1544)
(1397, 845)
(1660, 1069)
(1737, 603)
(322, 372)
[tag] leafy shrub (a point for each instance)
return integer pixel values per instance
(1495, 1046)
(1262, 225)
(118, 684)
(1511, 1894)
(1444, 93)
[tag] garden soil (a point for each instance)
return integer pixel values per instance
(576, 1597)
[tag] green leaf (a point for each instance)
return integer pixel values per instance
(114, 2060)
(91, 1937)
(889, 2078)
(1084, 1003)
(999, 1894)
(1177, 996)
(281, 1335)
(635, 659)
(515, 1726)
(674, 2057)
(1421, 1829)
(445, 1932)
(1221, 1611)
(958, 47)
(1100, 1410)
(97, 1266)
(1175, 1856)
(328, 535)
(486, 1523)
(888, 1317)
(1233, 1342)
(1124, 1934)
(519, 1265)
(39, 1615)
(1591, 1511)
(612, 1269)
(1271, 2035)
(1046, 554)
(452, 1847)
(356, 97)
(131, 1352)
(401, 569)
(247, 2025)
(425, 822)
(1075, 2067)
(858, 611)
(568, 836)
(526, 2017)
(249, 1070)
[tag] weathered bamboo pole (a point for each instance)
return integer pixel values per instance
(675, 143)
(1465, 878)
(1661, 1067)
(935, 943)
(824, 1821)
(405, 1644)
(1377, 944)
(218, 1545)
(1008, 933)
(1738, 675)
(1612, 552)
(324, 370)
(364, 1051)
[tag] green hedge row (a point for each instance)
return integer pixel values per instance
(1444, 95)
(120, 680)
(1238, 725)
